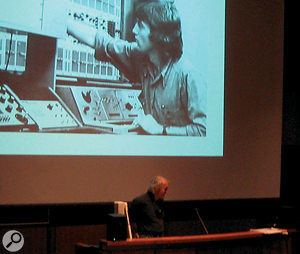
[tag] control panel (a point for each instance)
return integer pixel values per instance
(77, 60)
(43, 114)
(12, 112)
(104, 109)
(106, 105)
(49, 114)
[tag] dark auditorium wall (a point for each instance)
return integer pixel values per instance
(291, 112)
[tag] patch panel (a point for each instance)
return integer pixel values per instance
(77, 60)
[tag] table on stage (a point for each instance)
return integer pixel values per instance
(237, 242)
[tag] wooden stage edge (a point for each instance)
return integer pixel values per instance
(137, 243)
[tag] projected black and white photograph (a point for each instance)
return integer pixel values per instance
(112, 77)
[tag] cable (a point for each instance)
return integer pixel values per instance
(9, 51)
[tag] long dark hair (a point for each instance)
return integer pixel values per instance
(165, 27)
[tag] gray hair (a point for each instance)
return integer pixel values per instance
(156, 183)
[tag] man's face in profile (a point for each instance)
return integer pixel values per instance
(141, 31)
(161, 193)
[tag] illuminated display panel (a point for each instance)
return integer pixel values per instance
(204, 48)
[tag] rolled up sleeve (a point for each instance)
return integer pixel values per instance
(119, 52)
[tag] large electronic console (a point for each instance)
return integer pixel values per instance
(71, 109)
(88, 95)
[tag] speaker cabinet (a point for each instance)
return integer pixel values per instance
(116, 227)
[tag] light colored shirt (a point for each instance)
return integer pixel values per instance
(175, 97)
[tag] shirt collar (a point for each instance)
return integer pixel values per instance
(165, 71)
(149, 69)
(151, 195)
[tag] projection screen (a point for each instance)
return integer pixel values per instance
(238, 48)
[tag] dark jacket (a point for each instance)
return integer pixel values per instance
(148, 215)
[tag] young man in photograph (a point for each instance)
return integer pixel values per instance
(173, 95)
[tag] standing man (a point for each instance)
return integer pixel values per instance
(147, 211)
(173, 94)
